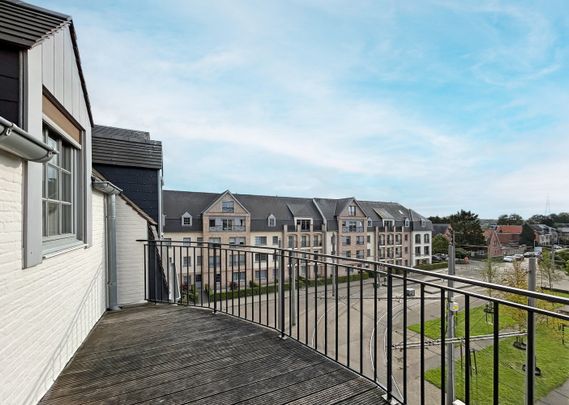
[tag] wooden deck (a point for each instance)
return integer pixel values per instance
(177, 355)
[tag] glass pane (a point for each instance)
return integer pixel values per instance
(66, 219)
(55, 145)
(66, 155)
(43, 223)
(66, 190)
(52, 219)
(52, 182)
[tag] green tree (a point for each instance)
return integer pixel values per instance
(438, 220)
(547, 269)
(512, 219)
(467, 230)
(527, 237)
(489, 273)
(440, 244)
(540, 219)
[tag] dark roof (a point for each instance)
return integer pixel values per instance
(24, 25)
(440, 229)
(285, 209)
(125, 147)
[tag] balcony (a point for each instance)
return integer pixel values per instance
(221, 228)
(352, 229)
(386, 328)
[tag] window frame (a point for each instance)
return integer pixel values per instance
(226, 208)
(62, 240)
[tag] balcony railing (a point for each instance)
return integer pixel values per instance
(348, 229)
(221, 228)
(400, 327)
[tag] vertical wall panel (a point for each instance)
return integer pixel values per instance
(68, 68)
(58, 66)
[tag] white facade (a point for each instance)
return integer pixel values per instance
(421, 247)
(48, 309)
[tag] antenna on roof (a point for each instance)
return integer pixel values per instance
(547, 206)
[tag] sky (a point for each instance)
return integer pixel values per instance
(439, 105)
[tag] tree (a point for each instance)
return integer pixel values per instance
(438, 220)
(547, 269)
(527, 237)
(516, 277)
(512, 219)
(440, 244)
(489, 273)
(540, 219)
(467, 230)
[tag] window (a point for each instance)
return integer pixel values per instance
(426, 238)
(237, 241)
(348, 254)
(187, 241)
(390, 239)
(346, 240)
(167, 241)
(275, 240)
(198, 261)
(368, 252)
(407, 223)
(260, 240)
(418, 251)
(303, 224)
(272, 221)
(187, 261)
(239, 277)
(200, 240)
(227, 206)
(406, 249)
(426, 250)
(186, 219)
(417, 238)
(304, 241)
(406, 237)
(360, 254)
(317, 241)
(352, 210)
(398, 239)
(360, 240)
(261, 275)
(369, 239)
(215, 240)
(291, 242)
(214, 261)
(261, 257)
(237, 259)
(59, 192)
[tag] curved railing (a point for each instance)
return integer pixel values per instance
(420, 336)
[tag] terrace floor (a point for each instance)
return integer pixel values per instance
(173, 355)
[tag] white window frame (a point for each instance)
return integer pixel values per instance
(271, 221)
(186, 216)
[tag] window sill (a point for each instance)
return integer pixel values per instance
(59, 250)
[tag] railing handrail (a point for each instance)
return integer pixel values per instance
(390, 266)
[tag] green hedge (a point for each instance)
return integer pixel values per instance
(433, 266)
(273, 288)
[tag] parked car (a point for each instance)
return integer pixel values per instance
(529, 254)
(508, 259)
(518, 256)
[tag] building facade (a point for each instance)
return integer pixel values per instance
(349, 228)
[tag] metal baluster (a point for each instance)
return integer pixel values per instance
(326, 309)
(496, 340)
(467, 348)
(422, 337)
(375, 288)
(315, 305)
(443, 346)
(335, 286)
(306, 302)
(145, 273)
(405, 336)
(361, 322)
(349, 271)
(389, 335)
(282, 294)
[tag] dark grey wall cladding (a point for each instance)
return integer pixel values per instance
(127, 153)
(9, 83)
(138, 184)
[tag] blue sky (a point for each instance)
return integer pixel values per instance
(439, 105)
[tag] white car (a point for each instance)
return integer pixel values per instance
(508, 259)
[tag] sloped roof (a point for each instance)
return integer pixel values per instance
(125, 147)
(24, 25)
(516, 229)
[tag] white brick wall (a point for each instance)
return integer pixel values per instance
(45, 311)
(130, 254)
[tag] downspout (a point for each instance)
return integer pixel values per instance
(110, 191)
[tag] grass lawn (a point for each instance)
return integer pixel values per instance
(552, 358)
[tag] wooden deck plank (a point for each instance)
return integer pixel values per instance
(175, 355)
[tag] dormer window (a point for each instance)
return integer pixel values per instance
(272, 221)
(422, 222)
(406, 222)
(228, 206)
(186, 219)
(369, 223)
(352, 210)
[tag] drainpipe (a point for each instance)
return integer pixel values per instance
(111, 191)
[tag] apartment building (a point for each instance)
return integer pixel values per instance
(349, 228)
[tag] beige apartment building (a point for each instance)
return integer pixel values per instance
(352, 229)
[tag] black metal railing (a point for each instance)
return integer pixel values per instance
(400, 327)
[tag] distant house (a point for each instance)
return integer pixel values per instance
(544, 234)
(493, 243)
(444, 230)
(563, 233)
